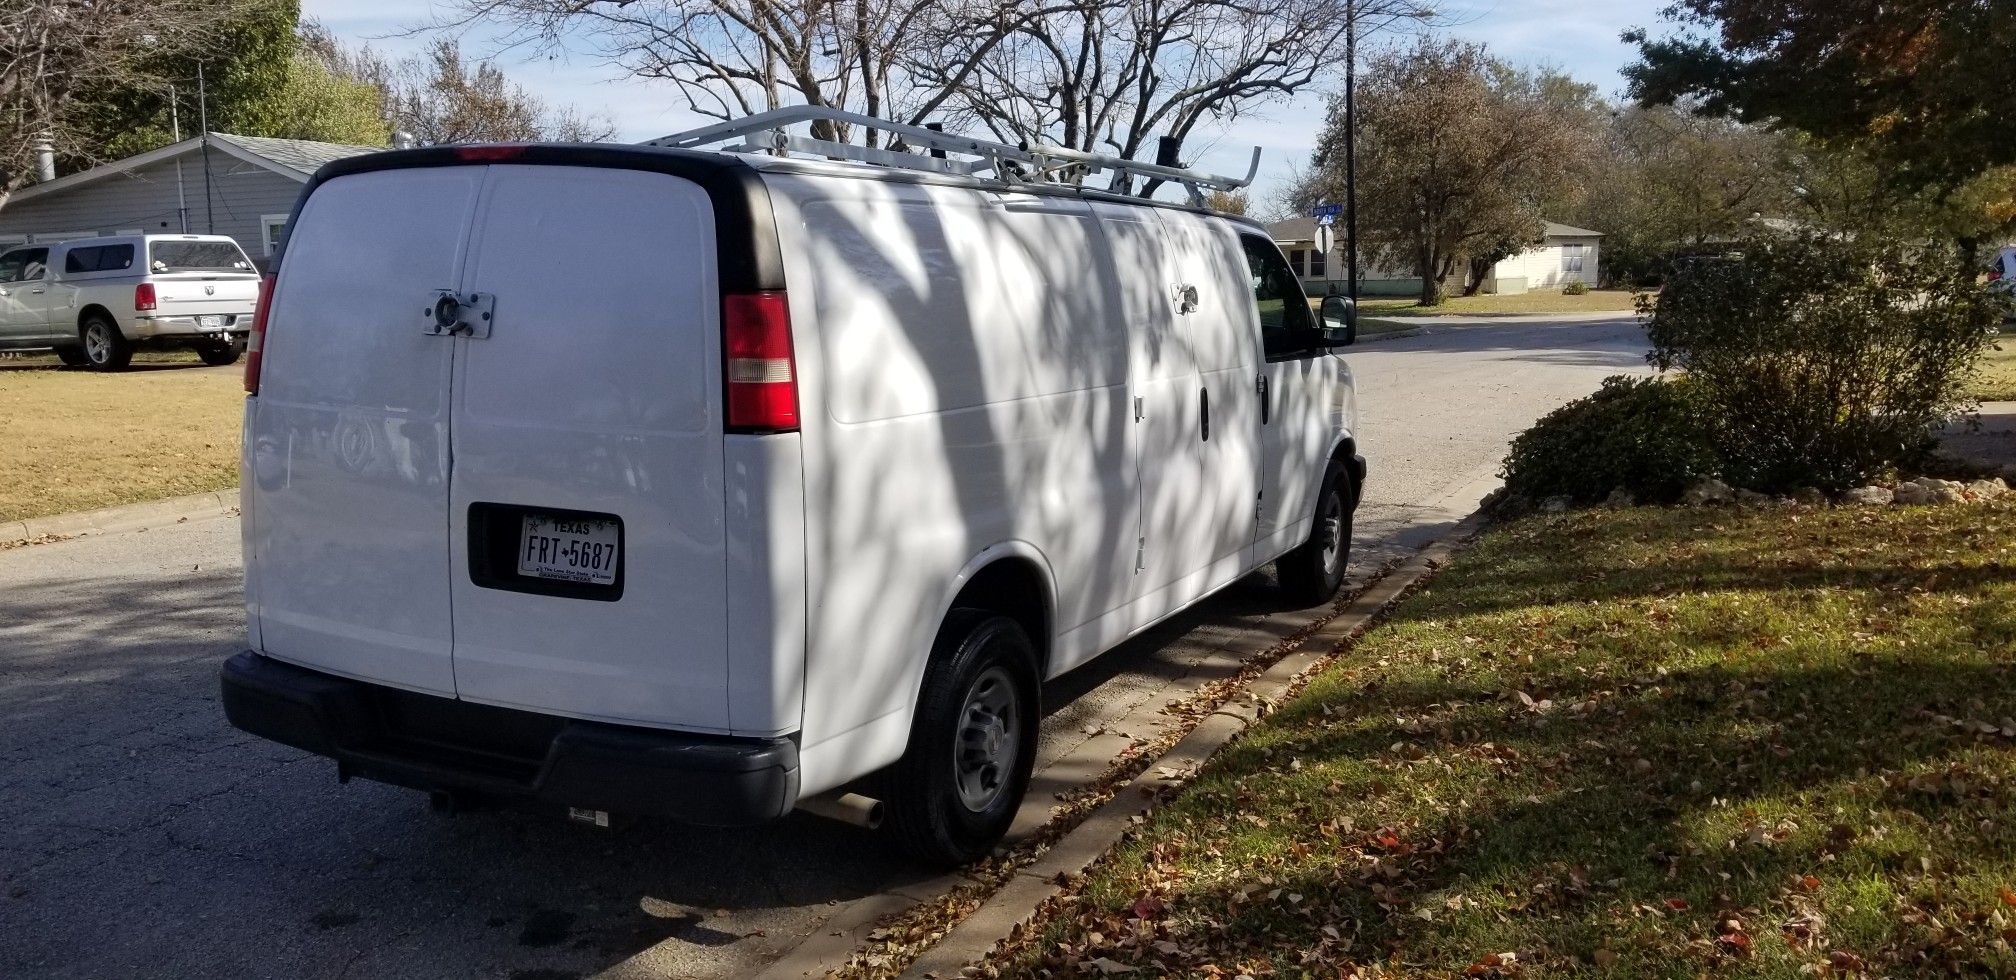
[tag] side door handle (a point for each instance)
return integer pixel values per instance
(1266, 400)
(1204, 411)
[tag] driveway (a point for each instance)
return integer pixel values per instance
(141, 836)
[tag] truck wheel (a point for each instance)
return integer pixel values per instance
(1312, 573)
(972, 742)
(72, 355)
(221, 354)
(105, 348)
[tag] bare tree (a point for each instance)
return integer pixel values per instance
(441, 98)
(54, 54)
(1109, 75)
(1085, 74)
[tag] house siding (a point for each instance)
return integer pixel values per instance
(145, 199)
(1541, 268)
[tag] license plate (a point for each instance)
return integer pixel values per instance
(568, 550)
(211, 322)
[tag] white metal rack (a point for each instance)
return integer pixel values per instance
(765, 132)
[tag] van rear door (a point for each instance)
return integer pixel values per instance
(346, 443)
(586, 496)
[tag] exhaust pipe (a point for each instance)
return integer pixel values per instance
(853, 808)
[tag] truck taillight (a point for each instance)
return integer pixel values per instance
(762, 380)
(257, 341)
(143, 297)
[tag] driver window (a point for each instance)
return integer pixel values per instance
(24, 265)
(1286, 325)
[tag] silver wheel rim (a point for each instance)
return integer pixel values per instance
(1333, 530)
(985, 755)
(97, 346)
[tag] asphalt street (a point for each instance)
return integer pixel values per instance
(142, 836)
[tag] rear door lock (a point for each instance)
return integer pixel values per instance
(460, 314)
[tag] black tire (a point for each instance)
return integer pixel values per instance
(218, 355)
(105, 348)
(929, 796)
(72, 355)
(1313, 572)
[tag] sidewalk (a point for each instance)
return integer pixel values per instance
(1993, 444)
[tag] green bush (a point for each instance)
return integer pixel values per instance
(1644, 435)
(1821, 362)
(1576, 288)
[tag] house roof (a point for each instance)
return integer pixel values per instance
(295, 159)
(1557, 230)
(1303, 229)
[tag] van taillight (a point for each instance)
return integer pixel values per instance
(143, 297)
(762, 381)
(257, 342)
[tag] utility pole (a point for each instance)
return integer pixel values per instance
(203, 117)
(175, 127)
(1351, 144)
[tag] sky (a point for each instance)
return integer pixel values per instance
(1578, 37)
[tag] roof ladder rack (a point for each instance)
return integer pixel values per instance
(765, 132)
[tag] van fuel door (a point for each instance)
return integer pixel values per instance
(456, 314)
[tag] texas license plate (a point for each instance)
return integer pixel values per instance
(568, 550)
(211, 322)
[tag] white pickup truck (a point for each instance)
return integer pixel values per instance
(94, 301)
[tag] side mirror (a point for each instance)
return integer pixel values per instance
(1338, 321)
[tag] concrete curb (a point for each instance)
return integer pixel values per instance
(124, 518)
(1011, 908)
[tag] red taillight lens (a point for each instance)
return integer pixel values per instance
(257, 342)
(143, 296)
(762, 381)
(1994, 275)
(490, 152)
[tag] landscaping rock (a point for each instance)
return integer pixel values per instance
(1708, 491)
(1620, 498)
(1988, 489)
(1867, 497)
(1928, 490)
(1555, 505)
(1809, 497)
(1751, 498)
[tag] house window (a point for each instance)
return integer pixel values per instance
(1319, 264)
(1295, 260)
(270, 228)
(1571, 258)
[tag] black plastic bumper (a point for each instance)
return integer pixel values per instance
(441, 744)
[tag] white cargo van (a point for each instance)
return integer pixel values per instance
(710, 485)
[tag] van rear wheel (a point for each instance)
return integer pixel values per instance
(972, 742)
(1314, 571)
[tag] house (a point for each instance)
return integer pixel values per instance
(1564, 254)
(251, 185)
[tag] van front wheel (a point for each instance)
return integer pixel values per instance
(1314, 571)
(972, 742)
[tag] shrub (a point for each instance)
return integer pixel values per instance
(1642, 434)
(1820, 361)
(1576, 288)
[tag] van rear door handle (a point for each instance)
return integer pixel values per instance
(1204, 411)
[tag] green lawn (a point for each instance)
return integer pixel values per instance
(1997, 380)
(1539, 301)
(1642, 743)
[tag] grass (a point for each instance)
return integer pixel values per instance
(1641, 743)
(76, 440)
(1997, 380)
(1539, 301)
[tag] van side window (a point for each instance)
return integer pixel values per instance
(1286, 326)
(23, 265)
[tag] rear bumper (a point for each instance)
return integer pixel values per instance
(189, 327)
(440, 744)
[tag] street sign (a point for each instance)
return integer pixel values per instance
(1323, 237)
(1326, 211)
